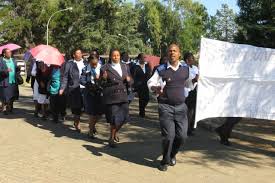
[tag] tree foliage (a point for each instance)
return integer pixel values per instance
(148, 26)
(222, 25)
(256, 22)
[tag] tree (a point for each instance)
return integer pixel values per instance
(22, 21)
(149, 26)
(171, 27)
(256, 22)
(194, 18)
(91, 24)
(222, 26)
(151, 23)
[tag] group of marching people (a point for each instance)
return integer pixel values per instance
(101, 87)
(92, 86)
(97, 88)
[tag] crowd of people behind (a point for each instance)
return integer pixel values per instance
(96, 87)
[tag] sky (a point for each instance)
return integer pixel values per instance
(213, 5)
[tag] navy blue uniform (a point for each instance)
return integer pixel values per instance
(172, 108)
(140, 85)
(115, 94)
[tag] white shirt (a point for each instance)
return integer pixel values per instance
(142, 66)
(80, 65)
(117, 67)
(156, 80)
(193, 72)
(33, 72)
(97, 71)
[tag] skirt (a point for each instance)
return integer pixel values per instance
(40, 98)
(117, 114)
(9, 93)
(93, 105)
(75, 99)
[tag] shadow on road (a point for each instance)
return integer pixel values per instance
(143, 144)
(141, 153)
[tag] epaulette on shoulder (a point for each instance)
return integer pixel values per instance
(162, 67)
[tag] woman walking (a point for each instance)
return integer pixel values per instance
(40, 92)
(57, 102)
(93, 93)
(70, 85)
(8, 83)
(115, 78)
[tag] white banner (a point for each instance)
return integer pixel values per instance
(235, 81)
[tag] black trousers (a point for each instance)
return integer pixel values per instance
(58, 105)
(228, 126)
(191, 105)
(173, 124)
(143, 95)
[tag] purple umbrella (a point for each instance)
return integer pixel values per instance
(10, 46)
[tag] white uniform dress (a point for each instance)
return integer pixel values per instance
(40, 98)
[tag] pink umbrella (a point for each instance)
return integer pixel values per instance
(49, 55)
(10, 46)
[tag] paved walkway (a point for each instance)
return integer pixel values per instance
(40, 151)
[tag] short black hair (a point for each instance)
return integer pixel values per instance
(187, 55)
(4, 51)
(92, 57)
(140, 55)
(75, 50)
(95, 50)
(124, 53)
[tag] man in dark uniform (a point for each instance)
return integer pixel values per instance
(168, 82)
(95, 53)
(224, 131)
(141, 74)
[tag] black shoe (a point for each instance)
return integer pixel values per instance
(142, 115)
(190, 133)
(44, 118)
(55, 120)
(91, 134)
(173, 161)
(226, 142)
(5, 112)
(62, 119)
(112, 143)
(163, 167)
(36, 115)
(94, 131)
(221, 135)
